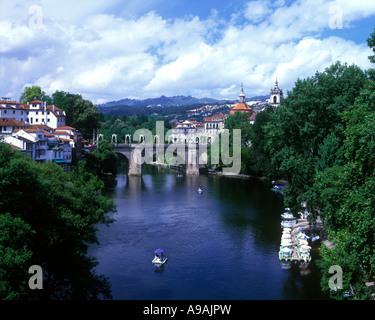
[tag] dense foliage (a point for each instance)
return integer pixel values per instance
(48, 217)
(322, 140)
(123, 125)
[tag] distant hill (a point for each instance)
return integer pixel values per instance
(163, 105)
(164, 101)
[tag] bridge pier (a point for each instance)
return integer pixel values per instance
(192, 160)
(190, 154)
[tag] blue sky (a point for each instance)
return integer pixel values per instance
(114, 49)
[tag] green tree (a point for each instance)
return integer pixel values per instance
(14, 256)
(345, 195)
(260, 159)
(51, 216)
(34, 93)
(103, 160)
(65, 101)
(85, 116)
(307, 125)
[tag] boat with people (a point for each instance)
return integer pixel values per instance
(277, 187)
(304, 253)
(304, 215)
(159, 257)
(285, 254)
(200, 189)
(179, 175)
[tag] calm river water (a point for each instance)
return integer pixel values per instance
(222, 244)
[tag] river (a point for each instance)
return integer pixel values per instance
(222, 244)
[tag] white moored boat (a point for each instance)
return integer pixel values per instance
(159, 257)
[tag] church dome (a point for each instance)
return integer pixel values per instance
(242, 106)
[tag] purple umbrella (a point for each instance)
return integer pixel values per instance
(159, 252)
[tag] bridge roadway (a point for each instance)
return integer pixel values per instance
(190, 155)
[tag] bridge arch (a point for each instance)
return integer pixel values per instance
(187, 155)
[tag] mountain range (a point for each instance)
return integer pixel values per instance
(164, 101)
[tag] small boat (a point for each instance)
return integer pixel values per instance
(304, 215)
(287, 223)
(200, 189)
(287, 216)
(285, 254)
(286, 242)
(302, 242)
(302, 236)
(277, 187)
(179, 175)
(211, 171)
(159, 257)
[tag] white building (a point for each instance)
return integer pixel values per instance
(35, 112)
(8, 125)
(42, 146)
(187, 132)
(214, 125)
(193, 131)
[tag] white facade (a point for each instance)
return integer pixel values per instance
(188, 132)
(42, 146)
(35, 112)
(193, 131)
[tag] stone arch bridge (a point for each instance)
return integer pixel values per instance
(192, 155)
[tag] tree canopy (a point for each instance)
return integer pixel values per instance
(34, 93)
(48, 217)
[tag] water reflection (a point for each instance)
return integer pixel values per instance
(222, 244)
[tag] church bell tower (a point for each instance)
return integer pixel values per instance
(275, 95)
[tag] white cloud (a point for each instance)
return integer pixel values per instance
(108, 57)
(257, 11)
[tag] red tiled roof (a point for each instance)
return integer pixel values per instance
(15, 147)
(9, 102)
(50, 107)
(4, 122)
(216, 116)
(62, 132)
(65, 128)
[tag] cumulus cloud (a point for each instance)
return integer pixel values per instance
(106, 56)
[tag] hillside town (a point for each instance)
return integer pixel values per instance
(213, 124)
(40, 132)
